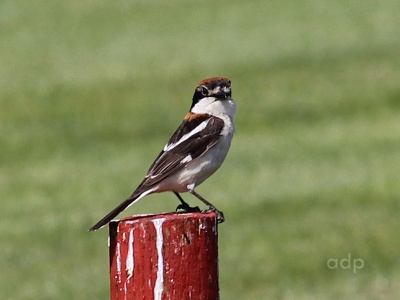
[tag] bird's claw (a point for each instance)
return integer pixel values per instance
(187, 208)
(220, 214)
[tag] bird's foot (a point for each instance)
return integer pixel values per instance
(220, 214)
(187, 208)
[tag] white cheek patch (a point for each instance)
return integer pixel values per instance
(216, 90)
(187, 136)
(226, 89)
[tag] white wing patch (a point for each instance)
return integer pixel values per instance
(186, 159)
(187, 136)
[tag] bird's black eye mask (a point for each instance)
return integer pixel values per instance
(199, 94)
(203, 90)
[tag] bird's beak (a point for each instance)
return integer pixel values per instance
(224, 95)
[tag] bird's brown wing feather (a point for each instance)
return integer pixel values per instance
(172, 158)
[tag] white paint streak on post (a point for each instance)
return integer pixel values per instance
(130, 263)
(159, 286)
(119, 262)
(202, 226)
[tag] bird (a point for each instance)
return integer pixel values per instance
(194, 152)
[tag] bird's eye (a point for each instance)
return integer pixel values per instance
(204, 91)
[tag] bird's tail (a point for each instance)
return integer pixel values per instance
(124, 205)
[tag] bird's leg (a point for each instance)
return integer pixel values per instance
(184, 206)
(220, 214)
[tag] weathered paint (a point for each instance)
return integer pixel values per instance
(166, 256)
(130, 260)
(159, 286)
(119, 261)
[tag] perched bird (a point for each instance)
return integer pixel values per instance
(194, 152)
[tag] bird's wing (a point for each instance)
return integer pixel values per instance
(196, 134)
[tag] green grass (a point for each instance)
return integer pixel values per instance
(90, 92)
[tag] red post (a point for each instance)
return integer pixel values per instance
(165, 256)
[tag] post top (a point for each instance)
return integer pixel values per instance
(167, 216)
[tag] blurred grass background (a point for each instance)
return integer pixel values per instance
(91, 90)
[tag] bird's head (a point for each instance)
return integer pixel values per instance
(209, 92)
(217, 87)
